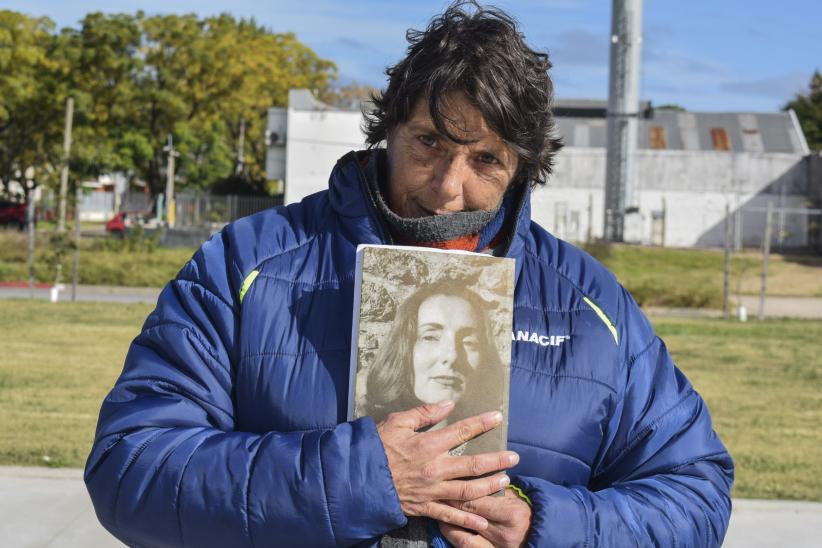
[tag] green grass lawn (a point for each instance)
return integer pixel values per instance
(762, 382)
(103, 260)
(655, 276)
(693, 277)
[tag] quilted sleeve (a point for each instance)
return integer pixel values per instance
(663, 477)
(168, 468)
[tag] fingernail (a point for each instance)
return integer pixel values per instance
(497, 417)
(504, 481)
(513, 458)
(446, 403)
(482, 524)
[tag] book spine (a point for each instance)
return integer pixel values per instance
(355, 332)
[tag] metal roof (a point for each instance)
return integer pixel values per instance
(704, 131)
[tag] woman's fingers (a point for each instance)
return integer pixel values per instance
(421, 416)
(462, 431)
(454, 516)
(461, 538)
(477, 465)
(462, 490)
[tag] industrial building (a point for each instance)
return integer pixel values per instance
(690, 166)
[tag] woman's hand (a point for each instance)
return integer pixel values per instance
(425, 474)
(508, 517)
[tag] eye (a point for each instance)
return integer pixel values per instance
(427, 140)
(488, 158)
(470, 343)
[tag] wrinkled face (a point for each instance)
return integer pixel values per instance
(433, 175)
(447, 349)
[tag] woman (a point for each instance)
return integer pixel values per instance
(440, 348)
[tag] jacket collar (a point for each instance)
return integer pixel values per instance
(361, 222)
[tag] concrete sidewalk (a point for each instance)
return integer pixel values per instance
(86, 293)
(42, 507)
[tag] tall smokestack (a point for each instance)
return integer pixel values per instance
(621, 198)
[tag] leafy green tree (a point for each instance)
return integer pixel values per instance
(102, 56)
(137, 79)
(29, 112)
(808, 108)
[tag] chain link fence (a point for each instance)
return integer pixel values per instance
(791, 228)
(201, 210)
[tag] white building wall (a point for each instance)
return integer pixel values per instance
(316, 139)
(695, 185)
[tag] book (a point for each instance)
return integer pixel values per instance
(431, 325)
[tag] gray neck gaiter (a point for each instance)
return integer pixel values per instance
(435, 228)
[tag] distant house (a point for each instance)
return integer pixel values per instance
(689, 166)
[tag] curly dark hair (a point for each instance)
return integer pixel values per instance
(481, 53)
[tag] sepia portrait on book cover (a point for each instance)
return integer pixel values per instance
(432, 325)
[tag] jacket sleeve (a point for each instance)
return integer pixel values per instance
(663, 477)
(168, 467)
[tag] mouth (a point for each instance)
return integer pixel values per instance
(452, 382)
(426, 212)
(435, 212)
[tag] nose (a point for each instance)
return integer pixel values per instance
(448, 351)
(449, 177)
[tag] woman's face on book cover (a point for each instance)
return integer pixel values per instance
(447, 350)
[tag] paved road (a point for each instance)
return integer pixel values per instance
(805, 308)
(43, 507)
(785, 307)
(775, 307)
(99, 293)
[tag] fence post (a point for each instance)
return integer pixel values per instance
(766, 250)
(30, 215)
(589, 235)
(75, 263)
(726, 274)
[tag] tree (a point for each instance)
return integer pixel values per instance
(102, 60)
(135, 80)
(808, 108)
(670, 106)
(30, 115)
(349, 95)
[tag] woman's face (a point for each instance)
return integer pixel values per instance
(447, 349)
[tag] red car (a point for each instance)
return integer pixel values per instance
(12, 213)
(122, 222)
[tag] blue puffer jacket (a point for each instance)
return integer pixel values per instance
(227, 426)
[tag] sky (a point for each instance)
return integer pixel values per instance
(705, 55)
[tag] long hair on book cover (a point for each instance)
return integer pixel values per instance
(439, 346)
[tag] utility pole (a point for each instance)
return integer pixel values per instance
(241, 148)
(623, 114)
(170, 202)
(61, 220)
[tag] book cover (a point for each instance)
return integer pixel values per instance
(431, 325)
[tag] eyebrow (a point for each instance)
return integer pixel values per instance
(496, 148)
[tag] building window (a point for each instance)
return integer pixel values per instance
(657, 138)
(719, 136)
